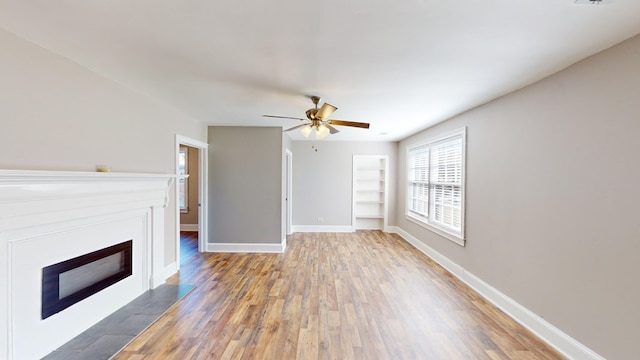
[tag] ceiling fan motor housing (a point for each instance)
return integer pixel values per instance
(311, 114)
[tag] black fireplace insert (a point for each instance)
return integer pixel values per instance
(70, 281)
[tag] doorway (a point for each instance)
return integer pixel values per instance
(187, 188)
(182, 146)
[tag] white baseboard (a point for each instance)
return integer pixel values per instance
(444, 261)
(322, 228)
(562, 342)
(391, 229)
(188, 227)
(245, 248)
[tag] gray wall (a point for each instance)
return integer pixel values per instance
(323, 180)
(245, 184)
(553, 200)
(57, 115)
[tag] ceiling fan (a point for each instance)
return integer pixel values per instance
(318, 120)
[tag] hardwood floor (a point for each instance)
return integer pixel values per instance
(367, 295)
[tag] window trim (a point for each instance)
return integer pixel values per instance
(424, 221)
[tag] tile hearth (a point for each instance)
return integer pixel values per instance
(107, 337)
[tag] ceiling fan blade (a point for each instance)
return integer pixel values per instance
(332, 130)
(283, 117)
(325, 110)
(349, 123)
(295, 127)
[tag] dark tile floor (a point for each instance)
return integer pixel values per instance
(107, 337)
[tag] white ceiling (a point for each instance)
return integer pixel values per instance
(401, 65)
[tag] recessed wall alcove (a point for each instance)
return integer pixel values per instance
(47, 218)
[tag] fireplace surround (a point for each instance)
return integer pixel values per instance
(48, 218)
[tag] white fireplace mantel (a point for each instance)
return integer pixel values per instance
(47, 217)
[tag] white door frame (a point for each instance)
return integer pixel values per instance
(203, 172)
(289, 185)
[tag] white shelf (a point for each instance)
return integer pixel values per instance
(369, 191)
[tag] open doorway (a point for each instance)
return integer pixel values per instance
(187, 187)
(191, 195)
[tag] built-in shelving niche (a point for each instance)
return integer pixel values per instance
(370, 183)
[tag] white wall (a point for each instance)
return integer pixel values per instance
(57, 115)
(552, 199)
(323, 180)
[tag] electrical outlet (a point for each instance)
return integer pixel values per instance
(320, 219)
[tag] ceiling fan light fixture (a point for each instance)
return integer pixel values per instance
(322, 131)
(305, 131)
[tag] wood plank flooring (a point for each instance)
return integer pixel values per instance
(364, 295)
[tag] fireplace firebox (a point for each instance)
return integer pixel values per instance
(70, 281)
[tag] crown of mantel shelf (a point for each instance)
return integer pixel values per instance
(61, 176)
(24, 192)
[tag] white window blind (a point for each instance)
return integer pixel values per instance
(419, 182)
(435, 186)
(446, 183)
